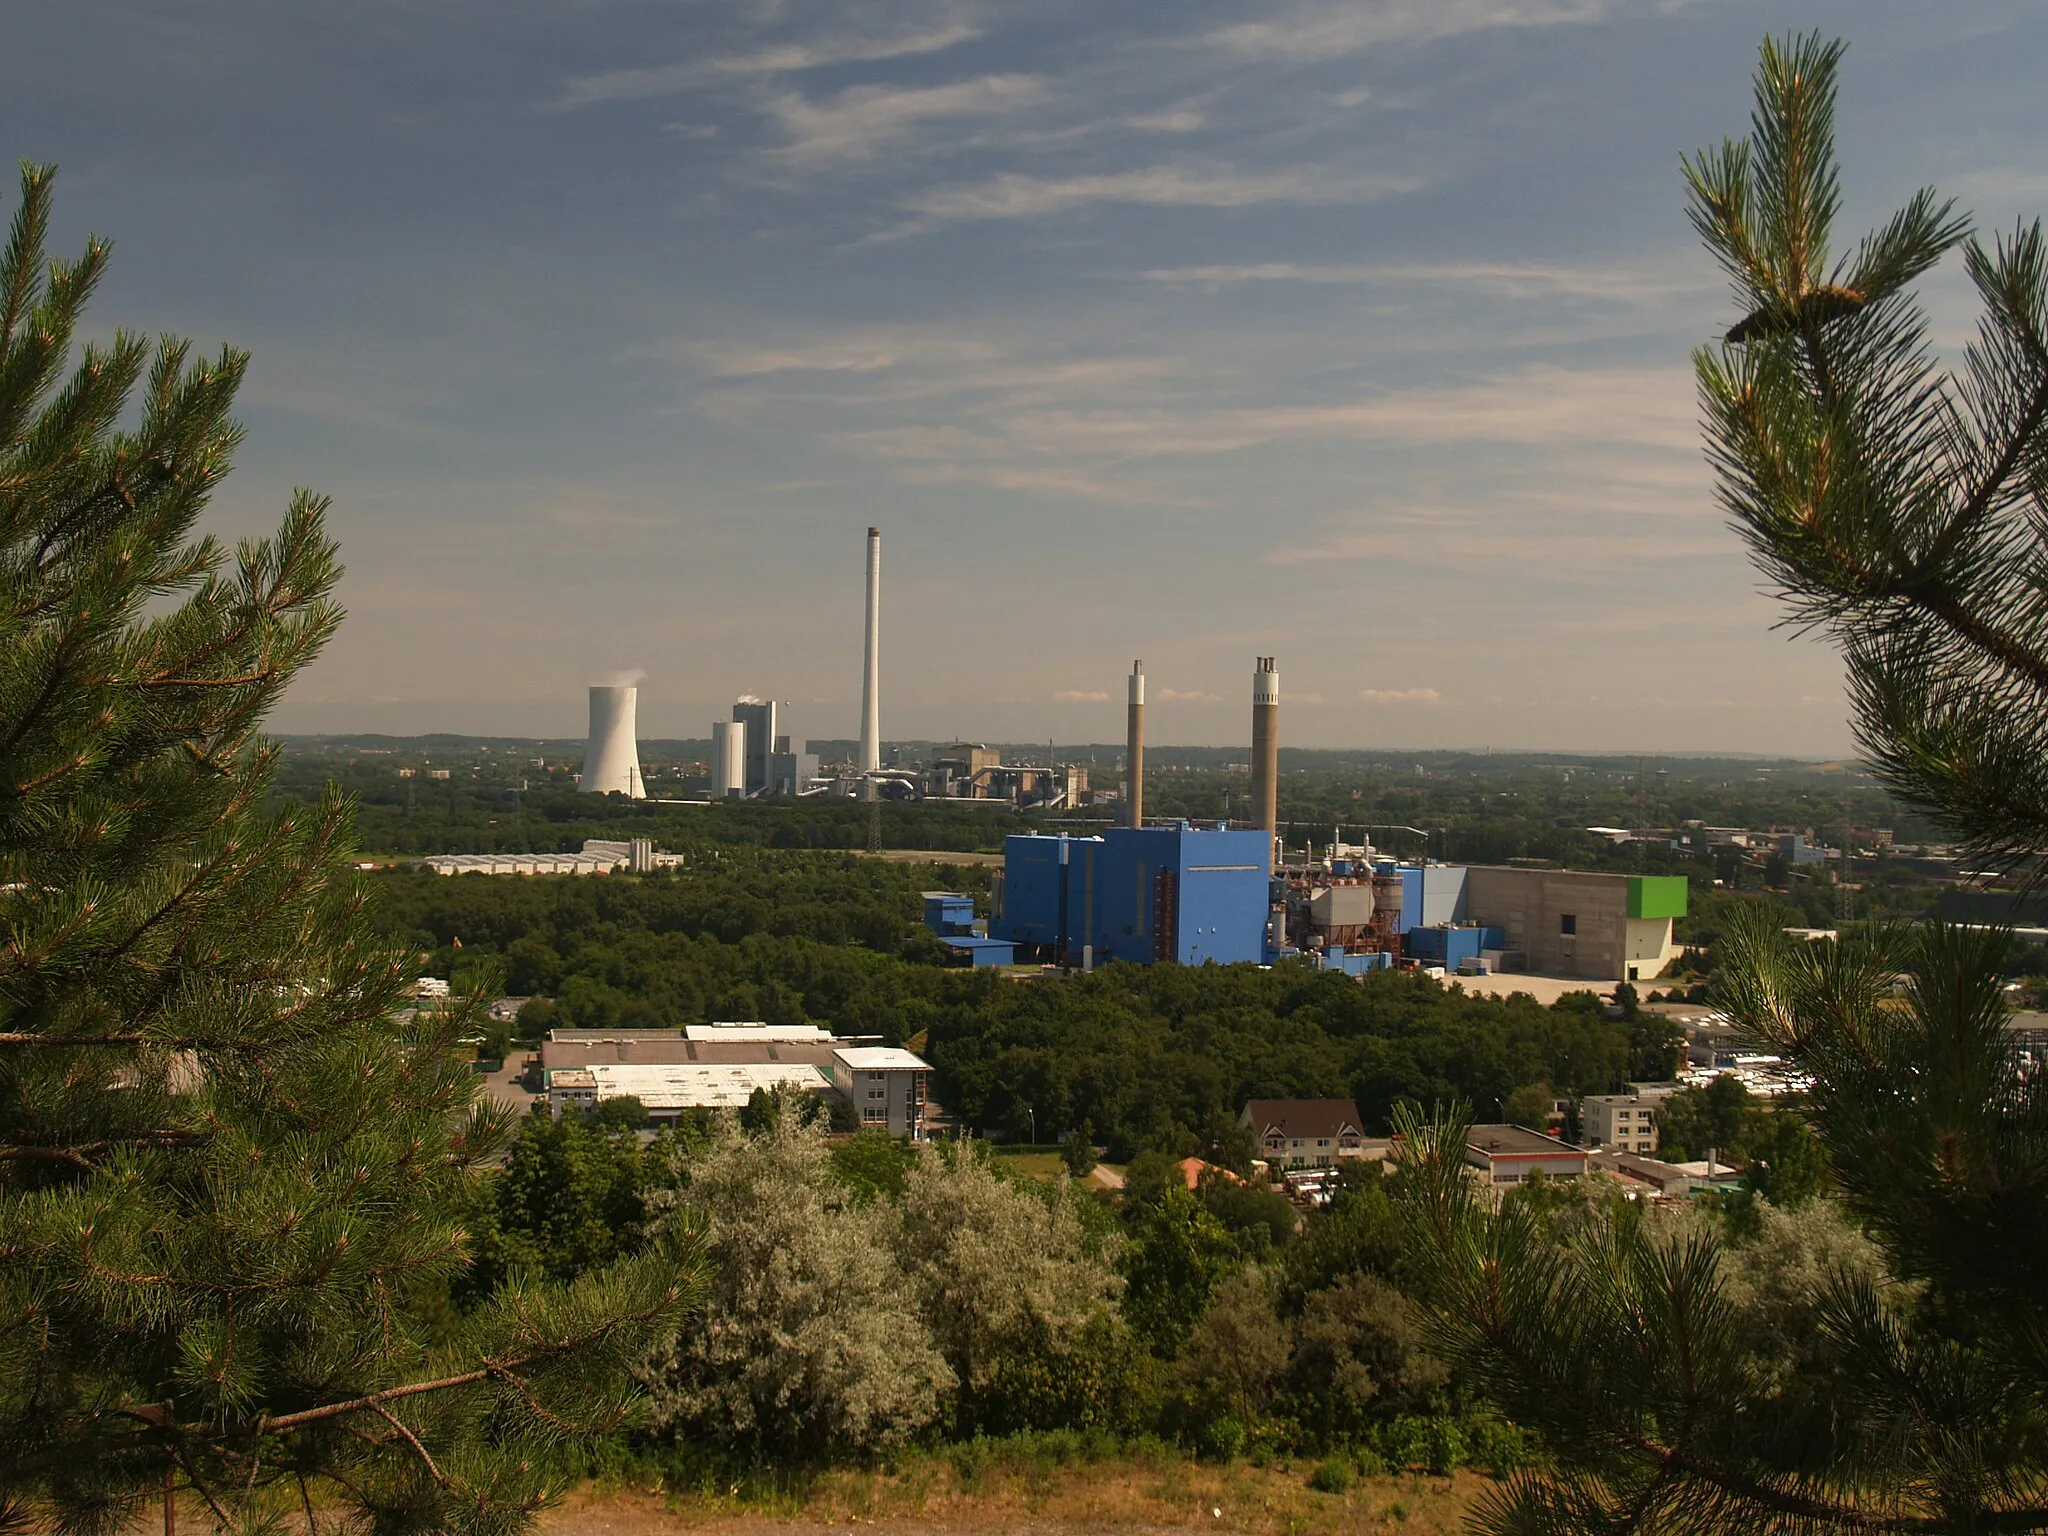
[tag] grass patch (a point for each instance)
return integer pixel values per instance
(1053, 1482)
(1032, 1162)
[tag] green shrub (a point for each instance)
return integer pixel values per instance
(1220, 1439)
(1333, 1476)
(1496, 1444)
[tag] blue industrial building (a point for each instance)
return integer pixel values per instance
(1452, 947)
(1184, 894)
(950, 916)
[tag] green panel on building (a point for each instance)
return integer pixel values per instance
(1656, 895)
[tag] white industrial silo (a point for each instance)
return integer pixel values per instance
(611, 763)
(728, 759)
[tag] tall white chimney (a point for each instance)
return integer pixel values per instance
(1134, 750)
(611, 762)
(871, 677)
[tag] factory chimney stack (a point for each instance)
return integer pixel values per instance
(1134, 755)
(871, 676)
(1266, 746)
(611, 761)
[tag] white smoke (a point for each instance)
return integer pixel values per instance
(618, 679)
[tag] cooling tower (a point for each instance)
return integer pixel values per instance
(611, 763)
(1266, 746)
(1134, 751)
(871, 676)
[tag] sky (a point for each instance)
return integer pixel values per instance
(1355, 334)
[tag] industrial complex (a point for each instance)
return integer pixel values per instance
(1197, 895)
(1181, 893)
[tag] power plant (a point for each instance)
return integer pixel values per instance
(611, 761)
(752, 756)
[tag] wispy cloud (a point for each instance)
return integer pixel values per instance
(1331, 28)
(859, 351)
(1534, 407)
(1400, 695)
(1178, 120)
(1081, 696)
(859, 121)
(1014, 196)
(780, 58)
(1507, 280)
(1187, 696)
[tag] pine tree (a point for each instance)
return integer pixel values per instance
(232, 1159)
(1902, 510)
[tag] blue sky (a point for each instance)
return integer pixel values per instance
(1355, 334)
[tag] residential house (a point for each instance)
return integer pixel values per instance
(1304, 1133)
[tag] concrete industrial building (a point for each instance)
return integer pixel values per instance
(1602, 927)
(611, 760)
(1609, 927)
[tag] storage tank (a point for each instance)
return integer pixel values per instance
(1386, 903)
(728, 759)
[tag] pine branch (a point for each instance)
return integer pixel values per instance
(168, 1430)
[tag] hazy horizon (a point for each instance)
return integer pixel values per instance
(1352, 334)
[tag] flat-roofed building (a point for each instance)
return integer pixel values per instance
(1508, 1154)
(571, 1088)
(1646, 1177)
(569, 1048)
(665, 1090)
(886, 1086)
(781, 1034)
(1574, 923)
(1304, 1133)
(1626, 1122)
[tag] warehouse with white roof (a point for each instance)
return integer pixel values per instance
(720, 1066)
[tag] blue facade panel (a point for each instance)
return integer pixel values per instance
(1432, 895)
(1335, 959)
(946, 914)
(1452, 947)
(1033, 882)
(1140, 895)
(1184, 894)
(1118, 894)
(979, 952)
(1225, 896)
